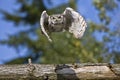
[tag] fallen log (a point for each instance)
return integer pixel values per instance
(60, 72)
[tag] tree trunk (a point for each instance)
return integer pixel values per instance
(60, 72)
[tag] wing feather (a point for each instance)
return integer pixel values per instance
(43, 21)
(77, 25)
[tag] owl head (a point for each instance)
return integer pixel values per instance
(56, 19)
(56, 22)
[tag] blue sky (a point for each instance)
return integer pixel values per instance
(7, 27)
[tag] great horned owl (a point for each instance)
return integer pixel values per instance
(69, 20)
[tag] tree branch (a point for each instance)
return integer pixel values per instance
(60, 72)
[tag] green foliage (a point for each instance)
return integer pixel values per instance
(64, 48)
(103, 6)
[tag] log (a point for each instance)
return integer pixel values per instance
(60, 72)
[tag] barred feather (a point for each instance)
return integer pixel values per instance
(78, 25)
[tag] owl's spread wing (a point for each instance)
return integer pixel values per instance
(75, 22)
(43, 23)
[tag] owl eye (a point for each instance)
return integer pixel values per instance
(59, 16)
(53, 17)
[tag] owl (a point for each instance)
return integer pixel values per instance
(69, 20)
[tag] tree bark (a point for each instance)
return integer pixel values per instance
(60, 72)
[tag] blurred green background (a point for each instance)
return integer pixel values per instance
(100, 43)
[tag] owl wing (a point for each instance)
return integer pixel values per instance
(75, 22)
(43, 24)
